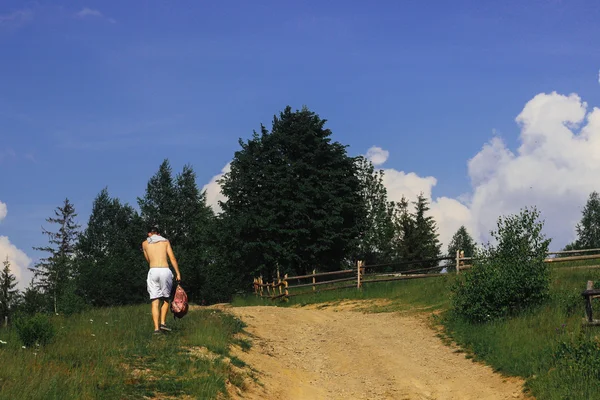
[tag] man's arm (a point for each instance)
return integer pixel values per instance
(173, 260)
(144, 244)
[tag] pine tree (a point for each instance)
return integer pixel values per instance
(588, 229)
(111, 269)
(461, 240)
(377, 227)
(194, 221)
(404, 227)
(8, 293)
(179, 209)
(33, 301)
(293, 199)
(54, 274)
(420, 236)
(159, 203)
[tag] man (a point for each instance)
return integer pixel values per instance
(160, 278)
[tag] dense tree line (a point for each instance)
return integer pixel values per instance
(296, 201)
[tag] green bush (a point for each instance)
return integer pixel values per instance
(508, 277)
(35, 330)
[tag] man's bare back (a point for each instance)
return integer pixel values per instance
(156, 255)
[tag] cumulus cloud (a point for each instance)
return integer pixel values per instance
(213, 190)
(377, 155)
(555, 168)
(19, 261)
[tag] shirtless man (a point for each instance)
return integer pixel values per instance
(160, 278)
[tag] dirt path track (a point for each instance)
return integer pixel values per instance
(324, 354)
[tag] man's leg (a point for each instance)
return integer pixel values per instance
(163, 311)
(155, 313)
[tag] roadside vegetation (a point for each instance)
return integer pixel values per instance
(111, 354)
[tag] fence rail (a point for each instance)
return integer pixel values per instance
(280, 287)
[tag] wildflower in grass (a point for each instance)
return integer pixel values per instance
(3, 342)
(91, 320)
(23, 347)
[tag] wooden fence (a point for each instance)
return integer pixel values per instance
(358, 276)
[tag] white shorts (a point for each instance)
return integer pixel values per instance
(159, 282)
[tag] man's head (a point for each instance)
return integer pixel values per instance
(153, 230)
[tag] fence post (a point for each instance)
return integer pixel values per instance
(588, 302)
(286, 285)
(457, 261)
(359, 264)
(314, 280)
(261, 286)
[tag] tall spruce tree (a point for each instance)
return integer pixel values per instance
(8, 293)
(54, 274)
(588, 228)
(110, 265)
(33, 300)
(179, 209)
(403, 229)
(293, 199)
(420, 236)
(461, 240)
(160, 201)
(193, 227)
(376, 228)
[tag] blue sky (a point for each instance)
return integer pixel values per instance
(98, 93)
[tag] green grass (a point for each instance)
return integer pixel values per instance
(111, 354)
(430, 293)
(548, 346)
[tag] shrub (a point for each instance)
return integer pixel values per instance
(35, 330)
(508, 277)
(582, 354)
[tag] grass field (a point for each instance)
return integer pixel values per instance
(548, 346)
(112, 354)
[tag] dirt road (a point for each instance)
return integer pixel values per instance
(333, 354)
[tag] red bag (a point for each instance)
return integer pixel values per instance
(179, 305)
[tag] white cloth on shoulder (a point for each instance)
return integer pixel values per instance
(156, 239)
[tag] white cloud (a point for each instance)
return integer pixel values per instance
(19, 261)
(3, 211)
(377, 155)
(555, 168)
(213, 190)
(88, 12)
(16, 18)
